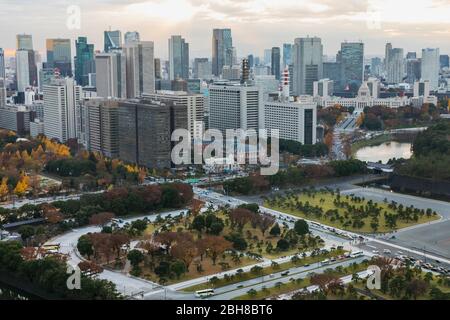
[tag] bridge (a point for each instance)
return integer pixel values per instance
(380, 167)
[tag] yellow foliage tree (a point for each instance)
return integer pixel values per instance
(22, 186)
(4, 191)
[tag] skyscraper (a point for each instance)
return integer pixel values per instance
(430, 67)
(98, 125)
(111, 75)
(308, 64)
(84, 61)
(113, 40)
(275, 62)
(444, 61)
(235, 107)
(352, 64)
(26, 70)
(394, 64)
(2, 64)
(140, 68)
(131, 37)
(178, 58)
(59, 56)
(24, 42)
(60, 100)
(145, 131)
(202, 68)
(221, 43)
(287, 54)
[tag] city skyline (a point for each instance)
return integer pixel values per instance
(411, 25)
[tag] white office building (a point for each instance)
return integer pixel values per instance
(111, 75)
(422, 94)
(296, 121)
(61, 97)
(430, 67)
(235, 106)
(22, 70)
(194, 104)
(140, 69)
(323, 88)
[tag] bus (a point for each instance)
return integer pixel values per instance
(204, 293)
(356, 254)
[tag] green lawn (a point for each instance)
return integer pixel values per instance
(328, 204)
(293, 285)
(266, 271)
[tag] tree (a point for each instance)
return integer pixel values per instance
(26, 232)
(4, 190)
(275, 231)
(135, 257)
(198, 223)
(102, 218)
(84, 246)
(215, 246)
(178, 267)
(283, 245)
(265, 222)
(301, 227)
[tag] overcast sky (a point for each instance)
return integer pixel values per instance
(255, 24)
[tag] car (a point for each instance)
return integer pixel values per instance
(284, 274)
(307, 265)
(387, 251)
(240, 286)
(375, 251)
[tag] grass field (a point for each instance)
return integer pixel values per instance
(293, 285)
(266, 271)
(327, 203)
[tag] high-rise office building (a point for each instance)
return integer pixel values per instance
(26, 69)
(251, 61)
(268, 57)
(59, 56)
(113, 40)
(352, 64)
(287, 54)
(194, 104)
(132, 37)
(333, 71)
(394, 64)
(84, 61)
(158, 73)
(24, 42)
(276, 62)
(45, 77)
(98, 125)
(2, 64)
(308, 64)
(178, 58)
(140, 68)
(430, 67)
(111, 75)
(202, 68)
(323, 88)
(138, 121)
(296, 121)
(60, 100)
(15, 118)
(2, 92)
(413, 70)
(235, 107)
(376, 67)
(443, 59)
(221, 43)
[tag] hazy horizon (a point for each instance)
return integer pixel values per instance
(256, 24)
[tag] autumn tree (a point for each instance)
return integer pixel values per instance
(214, 246)
(101, 219)
(4, 190)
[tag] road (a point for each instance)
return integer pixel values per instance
(232, 291)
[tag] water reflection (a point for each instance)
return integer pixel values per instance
(384, 152)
